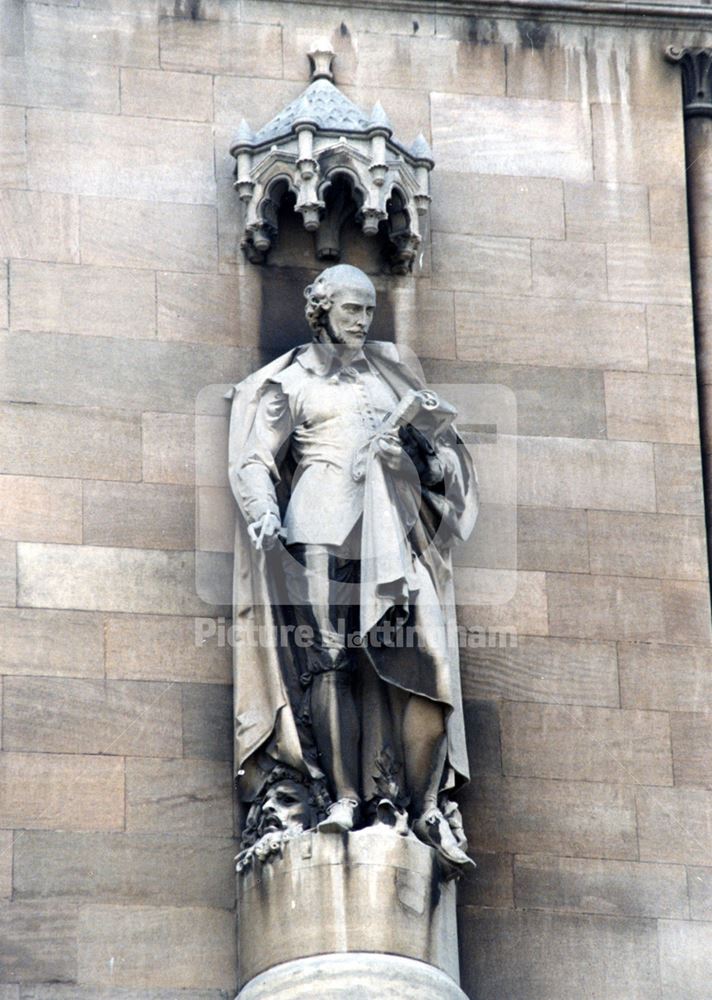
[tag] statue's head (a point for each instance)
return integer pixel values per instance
(340, 305)
(286, 806)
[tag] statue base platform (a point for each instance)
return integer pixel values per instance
(358, 974)
(355, 900)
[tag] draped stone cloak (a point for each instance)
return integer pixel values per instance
(408, 577)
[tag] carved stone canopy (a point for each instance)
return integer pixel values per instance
(335, 160)
(696, 66)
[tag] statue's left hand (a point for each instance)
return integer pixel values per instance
(391, 451)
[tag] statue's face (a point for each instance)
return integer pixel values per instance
(286, 806)
(351, 314)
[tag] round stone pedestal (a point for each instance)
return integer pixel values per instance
(356, 975)
(371, 892)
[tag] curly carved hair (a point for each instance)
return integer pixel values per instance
(319, 295)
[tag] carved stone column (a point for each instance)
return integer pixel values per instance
(696, 66)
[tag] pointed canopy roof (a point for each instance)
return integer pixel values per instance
(323, 104)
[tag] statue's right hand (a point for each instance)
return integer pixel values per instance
(265, 532)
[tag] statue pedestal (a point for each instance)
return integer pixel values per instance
(362, 902)
(358, 974)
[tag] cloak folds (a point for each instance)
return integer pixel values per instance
(408, 576)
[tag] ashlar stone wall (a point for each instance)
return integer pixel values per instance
(557, 265)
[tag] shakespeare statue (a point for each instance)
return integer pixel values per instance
(353, 487)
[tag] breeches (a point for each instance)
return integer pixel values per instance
(322, 588)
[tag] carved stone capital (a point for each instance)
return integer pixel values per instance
(696, 66)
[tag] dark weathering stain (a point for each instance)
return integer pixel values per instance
(187, 9)
(533, 34)
(344, 30)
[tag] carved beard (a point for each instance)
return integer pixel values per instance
(329, 335)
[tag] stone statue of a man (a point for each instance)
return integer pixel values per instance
(353, 485)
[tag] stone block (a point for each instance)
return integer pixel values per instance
(666, 678)
(630, 608)
(207, 721)
(62, 715)
(699, 884)
(666, 546)
(38, 941)
(6, 842)
(212, 424)
(23, 80)
(204, 308)
(491, 884)
(39, 225)
(408, 110)
(543, 670)
(167, 649)
(357, 20)
(237, 48)
(160, 946)
(555, 71)
(675, 825)
(13, 30)
(643, 145)
(511, 136)
(13, 154)
(8, 572)
(483, 743)
(179, 796)
(61, 791)
(685, 959)
(563, 333)
(4, 293)
(139, 515)
(51, 643)
(568, 270)
(237, 95)
(115, 156)
(671, 340)
(33, 509)
(481, 263)
(668, 217)
(72, 298)
(126, 374)
(421, 63)
(56, 36)
(168, 448)
(568, 472)
(648, 274)
(50, 991)
(494, 544)
(216, 511)
(504, 599)
(617, 888)
(146, 869)
(678, 479)
(149, 234)
(488, 205)
(571, 743)
(554, 540)
(532, 956)
(93, 578)
(153, 94)
(533, 815)
(651, 407)
(551, 402)
(425, 318)
(60, 441)
(607, 213)
(692, 748)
